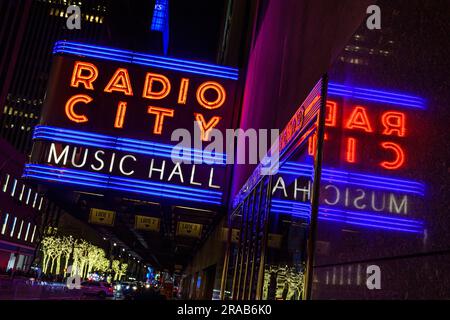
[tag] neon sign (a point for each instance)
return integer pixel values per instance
(369, 153)
(108, 118)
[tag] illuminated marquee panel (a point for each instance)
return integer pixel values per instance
(108, 119)
(299, 128)
(371, 148)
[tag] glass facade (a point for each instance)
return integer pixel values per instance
(380, 179)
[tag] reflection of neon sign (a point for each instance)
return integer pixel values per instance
(368, 139)
(374, 95)
(357, 179)
(391, 123)
(356, 218)
(348, 197)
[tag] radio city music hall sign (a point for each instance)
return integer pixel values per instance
(109, 115)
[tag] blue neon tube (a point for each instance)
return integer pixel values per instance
(127, 56)
(111, 182)
(122, 144)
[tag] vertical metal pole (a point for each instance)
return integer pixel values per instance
(262, 264)
(226, 260)
(312, 234)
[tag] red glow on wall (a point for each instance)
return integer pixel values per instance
(351, 146)
(359, 120)
(394, 123)
(399, 156)
(367, 127)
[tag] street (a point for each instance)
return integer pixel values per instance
(26, 289)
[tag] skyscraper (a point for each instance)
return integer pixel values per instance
(36, 25)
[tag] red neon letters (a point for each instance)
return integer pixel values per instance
(362, 121)
(358, 120)
(399, 158)
(209, 95)
(394, 123)
(70, 105)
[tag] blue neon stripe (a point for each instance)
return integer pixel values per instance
(377, 98)
(376, 95)
(59, 170)
(172, 64)
(374, 225)
(122, 144)
(369, 215)
(350, 89)
(288, 204)
(147, 62)
(91, 55)
(347, 174)
(39, 130)
(368, 94)
(404, 96)
(161, 191)
(114, 140)
(340, 220)
(76, 172)
(139, 150)
(185, 69)
(75, 182)
(108, 182)
(64, 43)
(325, 209)
(127, 56)
(351, 217)
(351, 178)
(378, 184)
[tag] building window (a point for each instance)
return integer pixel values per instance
(20, 230)
(11, 262)
(13, 191)
(40, 203)
(11, 234)
(28, 196)
(35, 199)
(5, 184)
(22, 192)
(5, 223)
(28, 231)
(32, 236)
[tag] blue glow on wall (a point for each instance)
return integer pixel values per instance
(365, 219)
(354, 178)
(359, 93)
